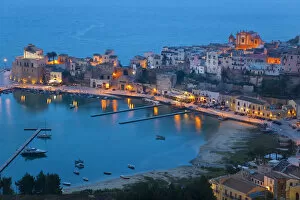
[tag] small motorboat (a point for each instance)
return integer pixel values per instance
(79, 165)
(131, 166)
(85, 179)
(159, 137)
(107, 173)
(32, 152)
(124, 177)
(66, 183)
(76, 172)
(44, 136)
(79, 161)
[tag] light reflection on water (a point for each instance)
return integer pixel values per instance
(101, 141)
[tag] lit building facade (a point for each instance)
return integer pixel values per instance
(234, 187)
(248, 40)
(30, 67)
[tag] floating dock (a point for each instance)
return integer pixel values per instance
(155, 117)
(127, 110)
(6, 164)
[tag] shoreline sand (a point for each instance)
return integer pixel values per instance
(118, 183)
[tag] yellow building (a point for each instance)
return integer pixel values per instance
(247, 40)
(294, 192)
(235, 187)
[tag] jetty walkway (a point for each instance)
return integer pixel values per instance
(155, 117)
(20, 149)
(127, 110)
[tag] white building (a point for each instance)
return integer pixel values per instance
(212, 64)
(154, 61)
(196, 65)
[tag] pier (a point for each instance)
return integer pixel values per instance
(127, 110)
(19, 150)
(155, 117)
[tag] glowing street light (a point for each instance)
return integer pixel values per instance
(5, 61)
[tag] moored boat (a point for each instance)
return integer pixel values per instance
(159, 137)
(79, 165)
(85, 179)
(79, 161)
(131, 166)
(66, 183)
(44, 136)
(124, 177)
(76, 172)
(31, 152)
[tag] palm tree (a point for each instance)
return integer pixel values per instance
(54, 55)
(49, 55)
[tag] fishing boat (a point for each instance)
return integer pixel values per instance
(159, 137)
(79, 165)
(107, 173)
(85, 179)
(76, 172)
(66, 183)
(124, 177)
(131, 166)
(79, 161)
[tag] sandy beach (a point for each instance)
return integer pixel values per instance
(224, 140)
(167, 175)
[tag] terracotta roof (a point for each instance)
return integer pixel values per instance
(252, 100)
(239, 185)
(258, 176)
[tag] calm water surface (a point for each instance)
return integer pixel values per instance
(101, 142)
(131, 27)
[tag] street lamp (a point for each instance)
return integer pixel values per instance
(5, 61)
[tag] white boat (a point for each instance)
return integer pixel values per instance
(44, 136)
(85, 179)
(79, 165)
(124, 177)
(66, 183)
(76, 172)
(131, 166)
(33, 152)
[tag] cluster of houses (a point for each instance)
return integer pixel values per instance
(246, 53)
(280, 178)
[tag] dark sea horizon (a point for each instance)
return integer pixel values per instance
(81, 28)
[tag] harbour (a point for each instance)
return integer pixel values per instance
(91, 140)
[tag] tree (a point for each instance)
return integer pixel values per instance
(26, 184)
(5, 185)
(54, 55)
(199, 189)
(180, 76)
(52, 184)
(49, 55)
(40, 183)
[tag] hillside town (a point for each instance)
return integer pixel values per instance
(247, 79)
